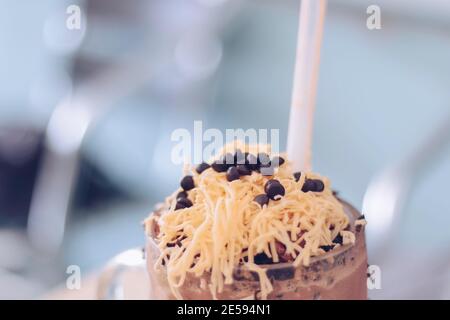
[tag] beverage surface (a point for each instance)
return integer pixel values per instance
(246, 209)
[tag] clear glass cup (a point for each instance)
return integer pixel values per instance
(338, 274)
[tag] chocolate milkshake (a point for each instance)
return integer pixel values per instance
(244, 226)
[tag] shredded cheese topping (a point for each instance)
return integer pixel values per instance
(225, 228)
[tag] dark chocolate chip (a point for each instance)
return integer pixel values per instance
(219, 167)
(361, 217)
(261, 199)
(270, 183)
(182, 194)
(273, 188)
(297, 176)
(309, 185)
(243, 170)
(319, 185)
(262, 258)
(202, 167)
(327, 248)
(232, 174)
(313, 185)
(338, 239)
(187, 183)
(277, 161)
(183, 203)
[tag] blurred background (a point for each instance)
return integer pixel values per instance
(86, 117)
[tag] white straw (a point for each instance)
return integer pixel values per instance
(312, 14)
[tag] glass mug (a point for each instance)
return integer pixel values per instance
(338, 274)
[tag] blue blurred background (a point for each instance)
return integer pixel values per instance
(86, 117)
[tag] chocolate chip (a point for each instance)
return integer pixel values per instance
(327, 248)
(181, 194)
(268, 183)
(219, 167)
(361, 217)
(297, 176)
(243, 170)
(309, 185)
(313, 185)
(232, 174)
(187, 183)
(263, 158)
(320, 186)
(338, 239)
(261, 199)
(262, 258)
(183, 203)
(273, 188)
(277, 161)
(202, 167)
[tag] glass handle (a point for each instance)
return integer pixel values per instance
(110, 284)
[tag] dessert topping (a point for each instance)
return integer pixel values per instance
(262, 199)
(202, 167)
(232, 174)
(313, 185)
(187, 183)
(274, 189)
